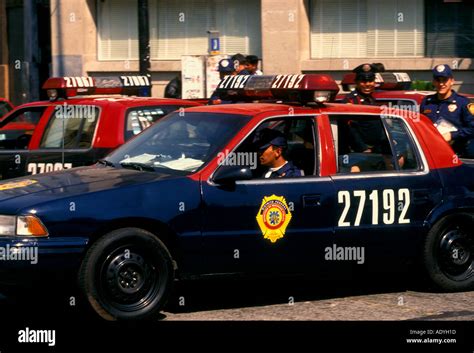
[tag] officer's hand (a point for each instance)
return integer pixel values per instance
(368, 150)
(216, 101)
(447, 136)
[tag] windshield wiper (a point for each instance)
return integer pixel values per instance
(138, 166)
(106, 162)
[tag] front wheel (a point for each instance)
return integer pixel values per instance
(127, 275)
(449, 253)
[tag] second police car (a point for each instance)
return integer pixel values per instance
(184, 197)
(86, 118)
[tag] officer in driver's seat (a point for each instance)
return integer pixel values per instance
(271, 146)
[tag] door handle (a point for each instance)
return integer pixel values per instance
(311, 200)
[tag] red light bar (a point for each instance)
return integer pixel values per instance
(73, 86)
(384, 81)
(294, 88)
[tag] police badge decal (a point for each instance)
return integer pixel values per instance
(273, 217)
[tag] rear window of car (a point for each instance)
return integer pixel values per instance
(141, 118)
(370, 144)
(71, 127)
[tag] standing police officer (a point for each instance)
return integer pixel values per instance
(365, 85)
(366, 136)
(450, 112)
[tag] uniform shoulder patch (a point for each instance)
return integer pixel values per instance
(470, 107)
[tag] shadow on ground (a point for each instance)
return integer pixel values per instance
(213, 294)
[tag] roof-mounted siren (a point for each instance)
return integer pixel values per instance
(399, 81)
(304, 88)
(66, 87)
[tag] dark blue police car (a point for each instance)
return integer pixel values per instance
(186, 196)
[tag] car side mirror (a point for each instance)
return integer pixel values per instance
(230, 174)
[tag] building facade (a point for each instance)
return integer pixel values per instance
(92, 37)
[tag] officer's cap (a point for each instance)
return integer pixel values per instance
(225, 65)
(442, 70)
(269, 137)
(365, 72)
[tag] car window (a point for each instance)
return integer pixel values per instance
(180, 143)
(140, 118)
(71, 127)
(4, 108)
(372, 144)
(16, 134)
(301, 150)
(403, 145)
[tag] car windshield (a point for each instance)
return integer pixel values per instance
(182, 142)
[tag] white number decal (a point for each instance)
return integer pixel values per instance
(81, 81)
(374, 197)
(40, 168)
(130, 81)
(344, 197)
(389, 205)
(389, 202)
(287, 81)
(404, 197)
(360, 209)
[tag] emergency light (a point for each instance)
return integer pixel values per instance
(383, 80)
(304, 88)
(64, 87)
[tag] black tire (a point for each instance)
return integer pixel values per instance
(127, 274)
(449, 253)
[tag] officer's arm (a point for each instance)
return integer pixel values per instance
(467, 131)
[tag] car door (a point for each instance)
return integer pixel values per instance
(382, 196)
(270, 225)
(16, 133)
(66, 141)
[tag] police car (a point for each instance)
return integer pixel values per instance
(5, 107)
(85, 119)
(186, 199)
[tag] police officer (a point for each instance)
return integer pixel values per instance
(365, 85)
(226, 67)
(240, 64)
(271, 146)
(365, 135)
(450, 112)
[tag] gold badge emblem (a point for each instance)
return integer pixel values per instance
(470, 107)
(273, 217)
(452, 107)
(17, 184)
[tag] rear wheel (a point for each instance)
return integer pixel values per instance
(449, 253)
(127, 275)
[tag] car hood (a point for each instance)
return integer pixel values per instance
(77, 181)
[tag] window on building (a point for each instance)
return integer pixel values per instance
(117, 30)
(180, 28)
(449, 29)
(367, 28)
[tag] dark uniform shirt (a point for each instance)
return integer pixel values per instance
(289, 170)
(454, 110)
(365, 134)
